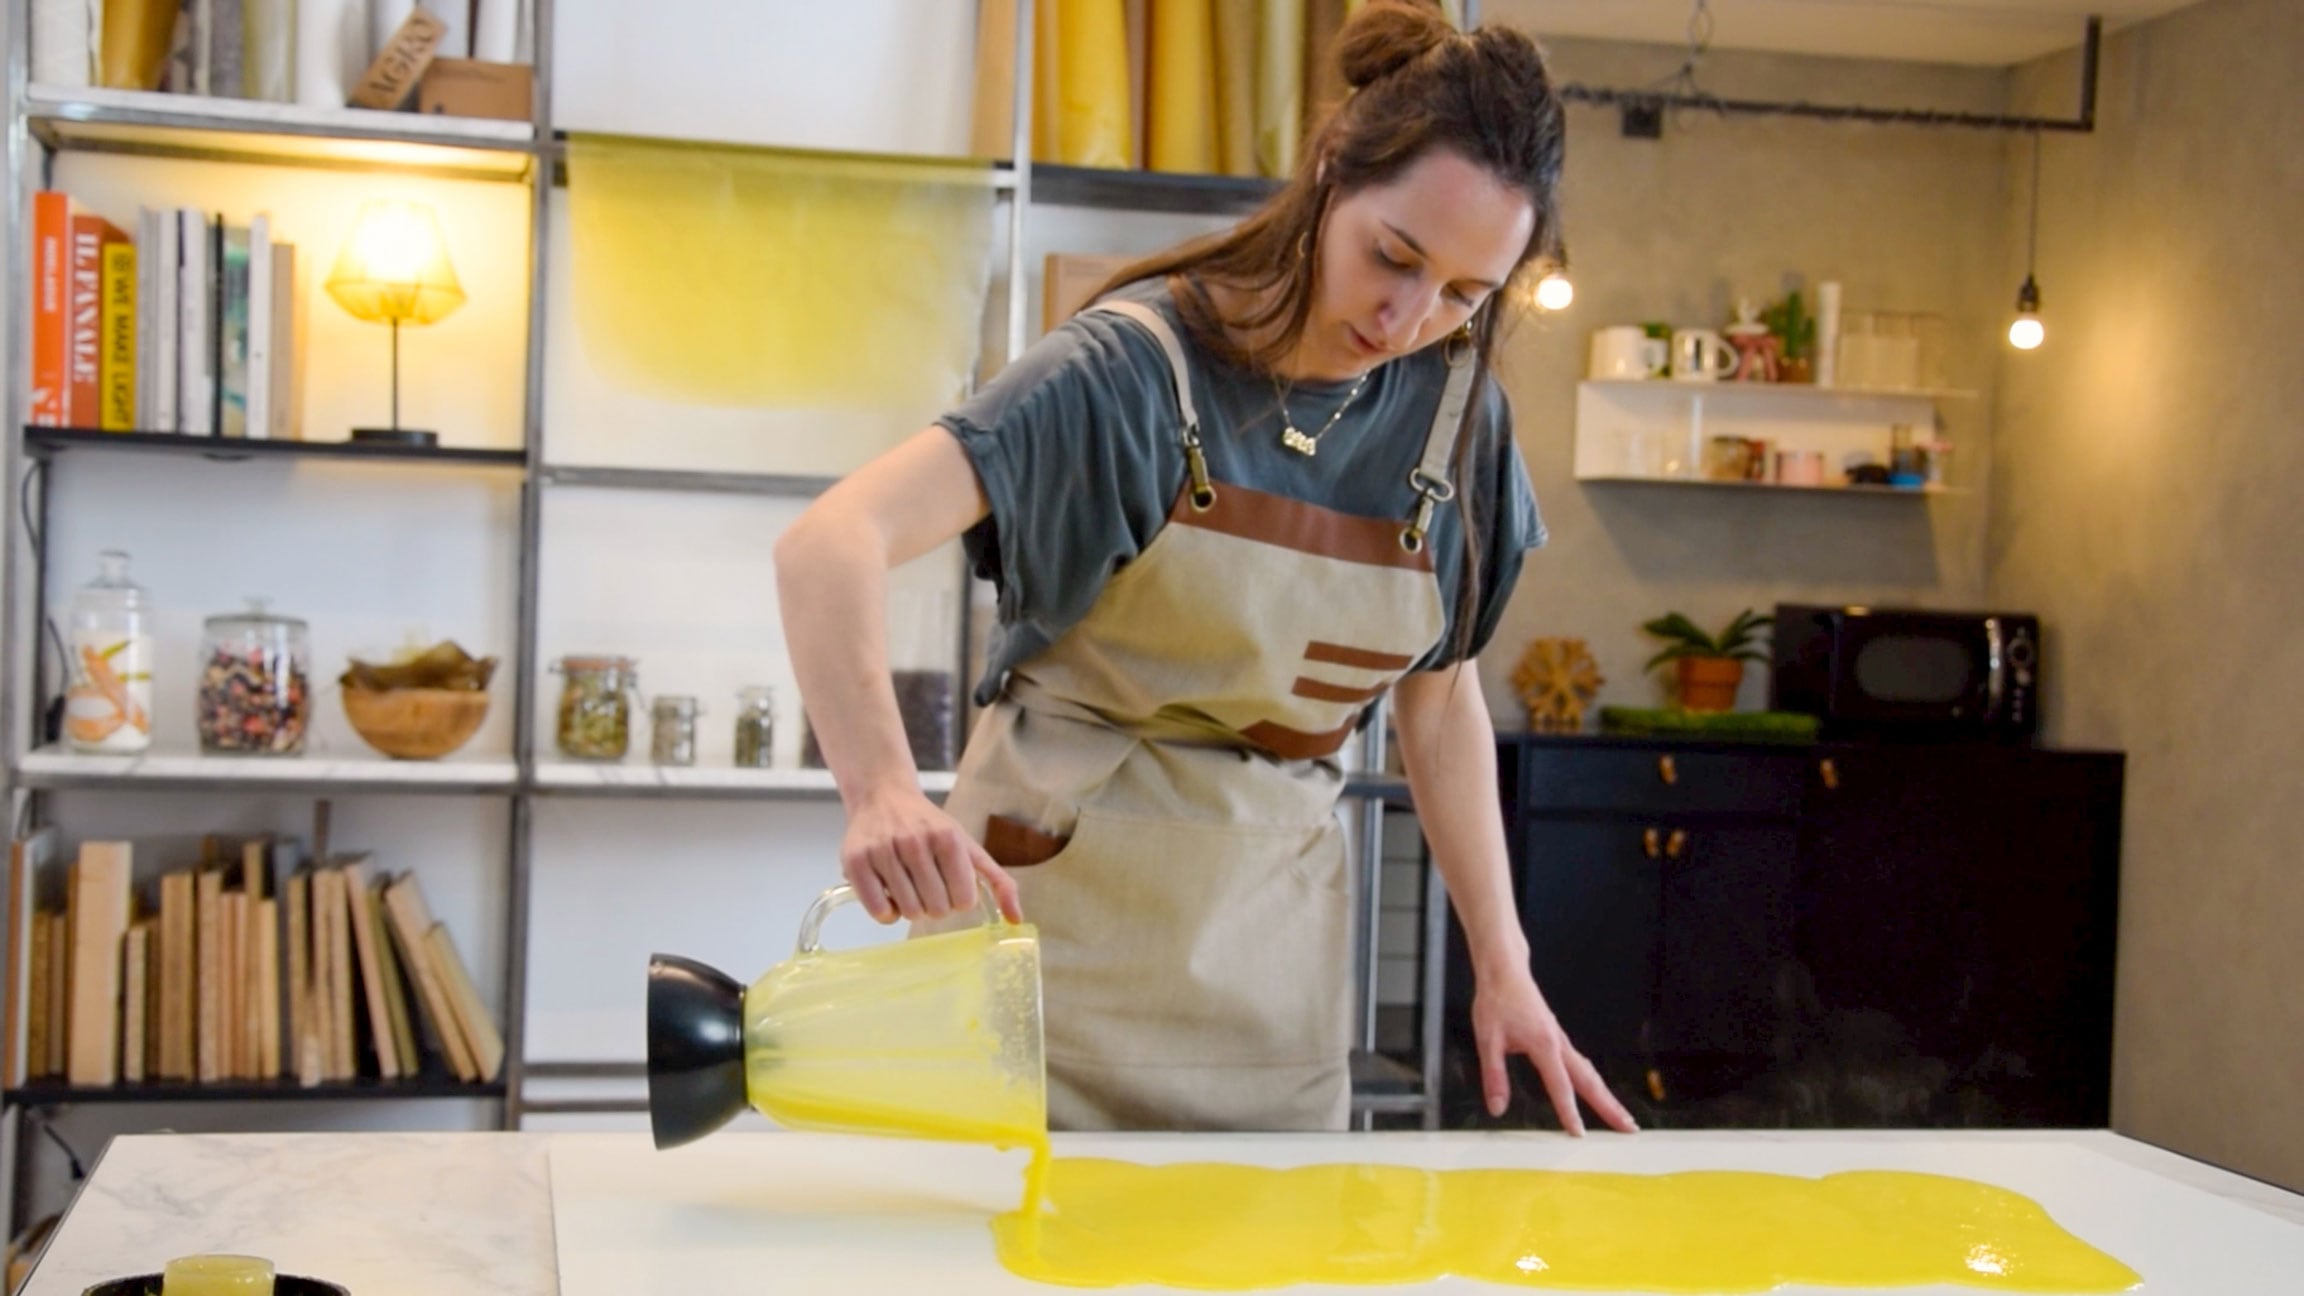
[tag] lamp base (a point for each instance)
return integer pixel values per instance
(415, 438)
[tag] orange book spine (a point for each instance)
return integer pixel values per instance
(84, 327)
(51, 304)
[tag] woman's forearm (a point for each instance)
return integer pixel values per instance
(831, 586)
(1448, 746)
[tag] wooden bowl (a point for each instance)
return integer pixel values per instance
(415, 723)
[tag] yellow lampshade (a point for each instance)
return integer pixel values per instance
(394, 268)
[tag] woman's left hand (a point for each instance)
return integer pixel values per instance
(1509, 1016)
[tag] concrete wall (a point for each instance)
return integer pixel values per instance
(2144, 501)
(1678, 229)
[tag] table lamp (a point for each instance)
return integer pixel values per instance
(394, 270)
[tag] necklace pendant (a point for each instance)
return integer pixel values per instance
(1299, 442)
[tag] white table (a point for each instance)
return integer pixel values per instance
(476, 1214)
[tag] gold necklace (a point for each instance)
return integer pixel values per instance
(1309, 444)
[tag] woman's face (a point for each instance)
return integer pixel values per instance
(1404, 263)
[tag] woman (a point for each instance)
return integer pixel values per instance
(1265, 480)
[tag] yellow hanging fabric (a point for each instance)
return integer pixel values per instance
(1183, 112)
(1092, 127)
(1047, 82)
(716, 275)
(1236, 86)
(1279, 85)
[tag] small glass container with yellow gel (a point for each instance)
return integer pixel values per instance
(217, 1275)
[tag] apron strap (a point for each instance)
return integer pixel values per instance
(1180, 374)
(1430, 475)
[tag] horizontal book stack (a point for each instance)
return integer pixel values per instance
(249, 965)
(189, 325)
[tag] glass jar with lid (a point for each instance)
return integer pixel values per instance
(108, 690)
(672, 730)
(755, 727)
(596, 706)
(254, 696)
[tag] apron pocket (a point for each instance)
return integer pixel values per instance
(1167, 943)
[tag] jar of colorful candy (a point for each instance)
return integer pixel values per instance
(254, 696)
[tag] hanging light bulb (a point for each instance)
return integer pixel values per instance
(1554, 292)
(2027, 332)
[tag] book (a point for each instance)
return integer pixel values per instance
(84, 327)
(268, 988)
(135, 954)
(296, 894)
(334, 913)
(208, 1017)
(40, 1020)
(51, 306)
(268, 61)
(396, 988)
(179, 976)
(411, 926)
(196, 327)
(116, 365)
(158, 264)
(99, 923)
(271, 333)
(472, 1016)
(371, 971)
(232, 333)
(59, 990)
(28, 859)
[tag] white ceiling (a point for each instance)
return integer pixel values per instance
(1989, 32)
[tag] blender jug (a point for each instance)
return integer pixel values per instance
(935, 1037)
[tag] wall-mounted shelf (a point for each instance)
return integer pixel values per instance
(58, 768)
(245, 130)
(641, 779)
(47, 442)
(1072, 186)
(1657, 431)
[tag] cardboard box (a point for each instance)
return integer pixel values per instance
(471, 88)
(1069, 279)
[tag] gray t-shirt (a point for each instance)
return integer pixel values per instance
(1077, 447)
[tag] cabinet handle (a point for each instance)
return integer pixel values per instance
(1651, 843)
(1830, 773)
(1675, 844)
(1666, 770)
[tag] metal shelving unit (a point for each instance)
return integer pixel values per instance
(45, 121)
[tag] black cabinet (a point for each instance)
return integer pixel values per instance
(1830, 935)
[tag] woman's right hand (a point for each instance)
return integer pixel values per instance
(908, 859)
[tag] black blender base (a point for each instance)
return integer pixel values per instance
(695, 1049)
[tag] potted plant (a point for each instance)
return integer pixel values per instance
(1795, 330)
(1708, 668)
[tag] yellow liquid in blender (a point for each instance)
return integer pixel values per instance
(1222, 1227)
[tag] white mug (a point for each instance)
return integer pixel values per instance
(1701, 355)
(1626, 351)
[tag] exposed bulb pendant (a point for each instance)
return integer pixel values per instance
(1554, 292)
(2027, 332)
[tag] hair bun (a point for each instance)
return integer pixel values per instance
(1387, 35)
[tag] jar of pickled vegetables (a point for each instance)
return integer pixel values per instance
(596, 706)
(755, 727)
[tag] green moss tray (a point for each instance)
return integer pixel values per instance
(1672, 722)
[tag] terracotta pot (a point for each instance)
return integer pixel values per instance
(1709, 683)
(1789, 370)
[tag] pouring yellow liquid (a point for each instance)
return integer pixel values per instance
(1221, 1227)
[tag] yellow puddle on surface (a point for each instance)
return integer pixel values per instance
(1219, 1227)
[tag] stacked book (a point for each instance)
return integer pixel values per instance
(249, 965)
(188, 326)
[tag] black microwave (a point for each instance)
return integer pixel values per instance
(1908, 673)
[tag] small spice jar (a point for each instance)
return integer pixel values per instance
(596, 706)
(254, 696)
(755, 727)
(672, 731)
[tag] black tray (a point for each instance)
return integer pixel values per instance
(282, 1285)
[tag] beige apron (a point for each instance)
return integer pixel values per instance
(1160, 780)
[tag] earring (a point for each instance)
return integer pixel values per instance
(1303, 244)
(1458, 344)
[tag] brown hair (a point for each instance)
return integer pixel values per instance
(1416, 84)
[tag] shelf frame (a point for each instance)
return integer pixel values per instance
(48, 443)
(155, 124)
(60, 1093)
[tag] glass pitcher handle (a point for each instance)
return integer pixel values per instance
(812, 925)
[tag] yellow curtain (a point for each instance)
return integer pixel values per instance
(724, 276)
(1279, 85)
(1092, 126)
(1236, 86)
(1183, 112)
